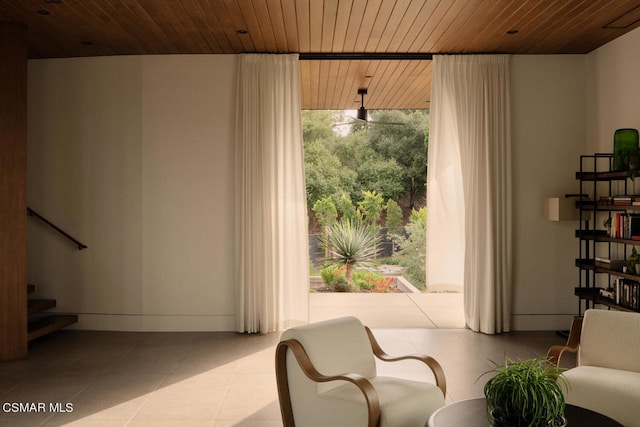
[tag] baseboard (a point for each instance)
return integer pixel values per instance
(541, 322)
(155, 323)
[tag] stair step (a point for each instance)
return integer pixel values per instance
(48, 324)
(31, 289)
(39, 305)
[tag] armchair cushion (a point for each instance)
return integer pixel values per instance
(613, 392)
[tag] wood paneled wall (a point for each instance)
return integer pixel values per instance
(13, 166)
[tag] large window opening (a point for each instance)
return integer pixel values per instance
(366, 199)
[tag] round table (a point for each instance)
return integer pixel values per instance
(473, 413)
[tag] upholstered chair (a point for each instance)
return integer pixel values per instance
(326, 375)
(607, 376)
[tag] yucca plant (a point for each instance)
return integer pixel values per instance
(525, 393)
(351, 244)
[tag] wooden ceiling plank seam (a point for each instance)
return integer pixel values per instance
(379, 25)
(253, 26)
(134, 16)
(419, 92)
(497, 27)
(581, 14)
(178, 18)
(291, 25)
(355, 21)
(199, 22)
(266, 26)
(366, 27)
(419, 25)
(330, 87)
(444, 16)
(400, 13)
(305, 88)
(542, 23)
(315, 83)
(304, 29)
(390, 80)
(376, 81)
(81, 20)
(220, 24)
(277, 25)
(339, 90)
(342, 25)
(458, 31)
(155, 11)
(322, 82)
(402, 75)
(468, 34)
(239, 23)
(316, 10)
(625, 19)
(329, 17)
(349, 85)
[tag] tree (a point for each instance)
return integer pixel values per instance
(371, 206)
(394, 222)
(324, 174)
(407, 144)
(413, 253)
(346, 208)
(327, 214)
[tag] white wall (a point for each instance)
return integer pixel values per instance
(133, 155)
(548, 130)
(613, 90)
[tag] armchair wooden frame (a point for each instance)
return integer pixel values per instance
(573, 343)
(363, 384)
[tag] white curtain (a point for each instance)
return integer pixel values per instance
(271, 224)
(469, 186)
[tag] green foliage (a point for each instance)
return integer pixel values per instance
(325, 211)
(351, 243)
(394, 217)
(346, 209)
(335, 278)
(371, 206)
(390, 160)
(406, 144)
(412, 256)
(525, 393)
(324, 174)
(372, 281)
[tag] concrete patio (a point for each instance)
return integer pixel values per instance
(391, 310)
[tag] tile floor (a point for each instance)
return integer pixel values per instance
(219, 379)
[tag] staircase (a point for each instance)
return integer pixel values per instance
(41, 323)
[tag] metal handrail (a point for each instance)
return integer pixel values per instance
(80, 245)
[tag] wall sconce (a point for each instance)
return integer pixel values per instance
(562, 208)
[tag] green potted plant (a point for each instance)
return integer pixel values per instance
(525, 393)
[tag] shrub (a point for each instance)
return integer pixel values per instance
(335, 277)
(373, 281)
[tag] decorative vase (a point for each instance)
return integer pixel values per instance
(625, 142)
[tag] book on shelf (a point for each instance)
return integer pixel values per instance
(627, 293)
(625, 225)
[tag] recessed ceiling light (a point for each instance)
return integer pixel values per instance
(242, 31)
(368, 76)
(53, 1)
(44, 12)
(511, 32)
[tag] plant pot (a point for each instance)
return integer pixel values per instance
(499, 422)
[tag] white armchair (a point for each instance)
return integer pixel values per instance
(607, 376)
(326, 376)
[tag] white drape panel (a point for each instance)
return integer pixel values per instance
(469, 186)
(272, 262)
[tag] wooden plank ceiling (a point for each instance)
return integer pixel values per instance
(75, 28)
